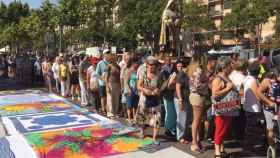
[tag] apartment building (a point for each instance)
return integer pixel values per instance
(218, 9)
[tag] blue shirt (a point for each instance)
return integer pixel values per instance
(101, 67)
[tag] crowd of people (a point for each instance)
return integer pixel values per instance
(22, 67)
(200, 98)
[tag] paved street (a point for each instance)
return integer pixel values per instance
(168, 145)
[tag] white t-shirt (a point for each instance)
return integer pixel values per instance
(55, 69)
(37, 67)
(251, 103)
(122, 65)
(93, 75)
(237, 78)
(92, 72)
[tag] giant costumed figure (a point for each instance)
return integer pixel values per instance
(170, 28)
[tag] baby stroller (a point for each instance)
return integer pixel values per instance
(272, 149)
(275, 96)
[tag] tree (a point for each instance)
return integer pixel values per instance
(95, 22)
(250, 15)
(10, 32)
(3, 14)
(140, 17)
(16, 10)
(276, 38)
(196, 19)
(48, 14)
(34, 28)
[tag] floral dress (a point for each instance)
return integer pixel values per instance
(148, 114)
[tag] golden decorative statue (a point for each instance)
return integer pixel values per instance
(170, 27)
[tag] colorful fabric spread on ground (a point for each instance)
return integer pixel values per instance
(28, 98)
(50, 121)
(35, 108)
(87, 142)
(13, 92)
(44, 125)
(39, 107)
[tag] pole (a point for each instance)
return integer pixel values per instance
(259, 39)
(60, 38)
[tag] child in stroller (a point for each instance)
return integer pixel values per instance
(275, 96)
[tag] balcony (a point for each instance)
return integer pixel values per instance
(214, 1)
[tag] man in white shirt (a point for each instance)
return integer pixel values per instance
(237, 77)
(253, 108)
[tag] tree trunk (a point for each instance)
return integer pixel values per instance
(258, 38)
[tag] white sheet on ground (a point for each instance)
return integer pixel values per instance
(168, 152)
(20, 147)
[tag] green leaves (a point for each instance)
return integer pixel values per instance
(249, 14)
(195, 16)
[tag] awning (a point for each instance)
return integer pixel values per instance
(5, 49)
(231, 50)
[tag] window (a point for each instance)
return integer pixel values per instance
(227, 4)
(213, 12)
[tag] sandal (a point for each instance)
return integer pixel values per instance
(224, 154)
(183, 141)
(217, 156)
(196, 150)
(201, 147)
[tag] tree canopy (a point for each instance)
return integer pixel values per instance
(117, 22)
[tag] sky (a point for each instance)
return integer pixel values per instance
(32, 3)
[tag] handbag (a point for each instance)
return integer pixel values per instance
(227, 103)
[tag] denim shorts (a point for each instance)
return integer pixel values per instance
(132, 101)
(268, 119)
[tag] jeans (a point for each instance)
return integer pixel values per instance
(170, 114)
(57, 85)
(181, 121)
(84, 94)
(63, 88)
(93, 99)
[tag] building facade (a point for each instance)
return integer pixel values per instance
(218, 9)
